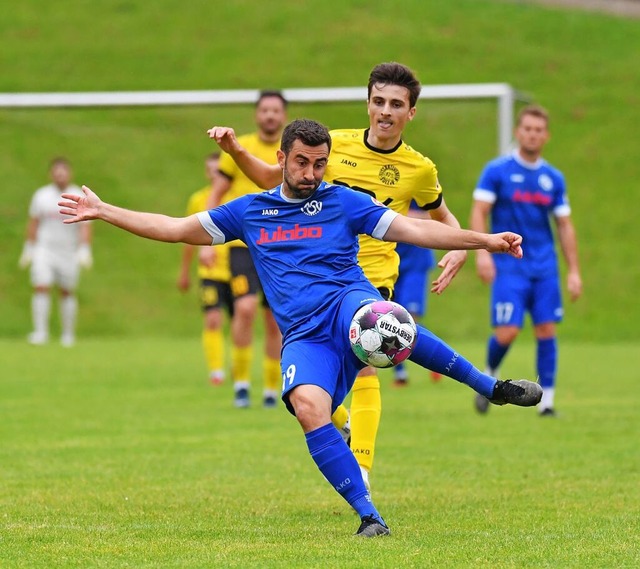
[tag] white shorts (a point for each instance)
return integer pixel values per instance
(50, 268)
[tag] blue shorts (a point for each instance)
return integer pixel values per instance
(411, 287)
(325, 358)
(514, 295)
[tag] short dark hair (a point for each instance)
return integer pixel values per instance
(212, 156)
(267, 93)
(309, 132)
(59, 161)
(533, 111)
(395, 74)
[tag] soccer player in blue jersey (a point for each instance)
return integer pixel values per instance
(523, 192)
(303, 238)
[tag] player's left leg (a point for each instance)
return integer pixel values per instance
(67, 276)
(546, 312)
(433, 353)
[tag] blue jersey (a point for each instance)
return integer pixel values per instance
(524, 197)
(304, 250)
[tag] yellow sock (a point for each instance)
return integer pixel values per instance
(271, 374)
(241, 363)
(366, 408)
(213, 344)
(340, 417)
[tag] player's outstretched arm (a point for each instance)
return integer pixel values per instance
(259, 172)
(435, 235)
(150, 225)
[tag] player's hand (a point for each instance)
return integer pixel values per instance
(485, 267)
(450, 264)
(207, 256)
(506, 242)
(225, 137)
(574, 285)
(26, 256)
(80, 208)
(84, 256)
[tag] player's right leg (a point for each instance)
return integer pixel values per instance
(213, 297)
(509, 295)
(42, 279)
(314, 376)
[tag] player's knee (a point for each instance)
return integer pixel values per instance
(309, 412)
(245, 308)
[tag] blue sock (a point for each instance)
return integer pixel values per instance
(432, 353)
(336, 461)
(496, 353)
(399, 371)
(547, 361)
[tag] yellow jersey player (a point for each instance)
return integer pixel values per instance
(231, 182)
(376, 161)
(215, 292)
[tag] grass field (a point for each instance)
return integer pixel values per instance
(582, 66)
(118, 454)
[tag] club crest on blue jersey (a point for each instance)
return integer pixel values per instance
(312, 207)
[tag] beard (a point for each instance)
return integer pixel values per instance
(299, 192)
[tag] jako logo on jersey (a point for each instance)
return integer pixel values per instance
(295, 234)
(312, 207)
(389, 175)
(517, 178)
(348, 163)
(269, 212)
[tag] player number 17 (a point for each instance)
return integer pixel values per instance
(504, 311)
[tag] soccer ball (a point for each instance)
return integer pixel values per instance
(382, 334)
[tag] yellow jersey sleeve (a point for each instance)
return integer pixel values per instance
(220, 270)
(395, 178)
(241, 185)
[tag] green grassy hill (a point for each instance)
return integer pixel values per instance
(580, 65)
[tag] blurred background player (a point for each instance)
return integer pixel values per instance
(377, 162)
(522, 191)
(231, 182)
(215, 292)
(416, 264)
(56, 252)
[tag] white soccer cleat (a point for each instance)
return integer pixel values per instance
(67, 340)
(37, 338)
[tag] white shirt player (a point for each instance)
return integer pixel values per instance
(53, 234)
(56, 251)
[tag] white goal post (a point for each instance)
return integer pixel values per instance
(505, 95)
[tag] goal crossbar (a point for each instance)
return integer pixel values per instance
(505, 95)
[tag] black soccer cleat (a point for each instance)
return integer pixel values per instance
(516, 392)
(372, 527)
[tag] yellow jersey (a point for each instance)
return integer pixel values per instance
(220, 270)
(240, 183)
(394, 177)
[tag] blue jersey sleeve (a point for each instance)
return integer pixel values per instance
(225, 222)
(365, 214)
